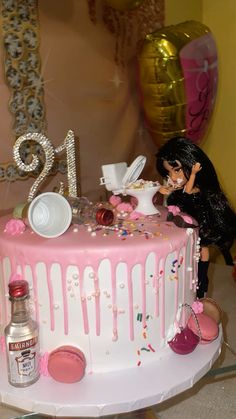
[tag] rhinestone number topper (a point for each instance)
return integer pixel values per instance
(50, 152)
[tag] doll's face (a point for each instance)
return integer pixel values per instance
(176, 176)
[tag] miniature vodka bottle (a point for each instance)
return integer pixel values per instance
(22, 338)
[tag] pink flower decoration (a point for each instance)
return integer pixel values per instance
(43, 364)
(174, 209)
(15, 227)
(135, 215)
(126, 207)
(15, 277)
(187, 219)
(133, 201)
(115, 200)
(2, 344)
(197, 307)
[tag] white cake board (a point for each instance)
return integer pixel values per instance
(113, 393)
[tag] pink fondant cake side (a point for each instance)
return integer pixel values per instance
(113, 294)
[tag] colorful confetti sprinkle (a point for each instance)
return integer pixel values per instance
(139, 317)
(151, 348)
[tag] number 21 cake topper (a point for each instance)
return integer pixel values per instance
(50, 152)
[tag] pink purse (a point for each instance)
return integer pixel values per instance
(185, 339)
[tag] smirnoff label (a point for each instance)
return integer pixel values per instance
(19, 346)
(23, 359)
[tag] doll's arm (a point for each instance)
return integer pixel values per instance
(189, 186)
(164, 190)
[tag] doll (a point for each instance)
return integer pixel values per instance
(193, 186)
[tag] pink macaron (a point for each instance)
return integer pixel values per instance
(67, 364)
(208, 327)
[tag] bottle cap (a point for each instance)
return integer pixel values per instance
(104, 216)
(18, 288)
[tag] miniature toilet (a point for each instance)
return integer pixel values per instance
(120, 179)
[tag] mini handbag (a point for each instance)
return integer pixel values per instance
(185, 340)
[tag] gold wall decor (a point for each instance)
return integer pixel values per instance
(20, 33)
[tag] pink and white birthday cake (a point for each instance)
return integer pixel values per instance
(113, 293)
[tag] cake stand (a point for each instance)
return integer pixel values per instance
(113, 393)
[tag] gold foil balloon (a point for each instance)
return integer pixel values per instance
(178, 81)
(124, 5)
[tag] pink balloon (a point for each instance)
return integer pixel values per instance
(200, 69)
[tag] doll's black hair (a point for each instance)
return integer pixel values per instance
(210, 207)
(179, 149)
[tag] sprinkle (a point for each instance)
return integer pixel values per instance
(139, 317)
(150, 347)
(173, 271)
(175, 261)
(139, 363)
(121, 311)
(145, 335)
(138, 352)
(145, 349)
(181, 260)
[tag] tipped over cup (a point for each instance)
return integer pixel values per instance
(49, 215)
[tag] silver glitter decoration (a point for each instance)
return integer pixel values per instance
(49, 151)
(69, 145)
(49, 159)
(61, 190)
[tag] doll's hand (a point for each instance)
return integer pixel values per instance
(164, 190)
(196, 168)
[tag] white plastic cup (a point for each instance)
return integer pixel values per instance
(49, 214)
